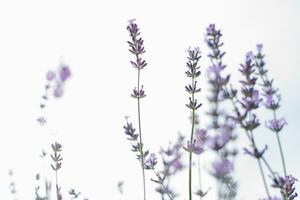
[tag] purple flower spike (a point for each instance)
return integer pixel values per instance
(276, 125)
(286, 185)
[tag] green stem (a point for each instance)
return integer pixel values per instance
(263, 178)
(56, 182)
(268, 166)
(260, 167)
(199, 176)
(141, 142)
(191, 140)
(280, 146)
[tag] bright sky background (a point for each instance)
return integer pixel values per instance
(91, 37)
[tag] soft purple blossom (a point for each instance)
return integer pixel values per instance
(252, 100)
(220, 168)
(64, 73)
(217, 142)
(194, 147)
(58, 91)
(50, 75)
(272, 101)
(276, 125)
(201, 136)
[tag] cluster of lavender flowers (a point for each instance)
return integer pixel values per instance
(56, 80)
(221, 128)
(255, 92)
(221, 132)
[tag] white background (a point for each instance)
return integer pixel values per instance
(91, 37)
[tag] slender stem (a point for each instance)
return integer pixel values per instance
(199, 176)
(280, 146)
(263, 177)
(191, 140)
(268, 166)
(56, 183)
(265, 80)
(260, 167)
(141, 141)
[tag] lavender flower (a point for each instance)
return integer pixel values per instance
(151, 161)
(276, 125)
(201, 136)
(272, 100)
(250, 101)
(286, 185)
(64, 73)
(220, 168)
(136, 47)
(193, 72)
(50, 75)
(219, 141)
(194, 147)
(55, 84)
(220, 119)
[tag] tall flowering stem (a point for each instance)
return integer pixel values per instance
(193, 73)
(250, 101)
(222, 124)
(136, 47)
(271, 101)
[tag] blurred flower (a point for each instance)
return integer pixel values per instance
(220, 168)
(64, 73)
(194, 147)
(217, 142)
(276, 125)
(50, 75)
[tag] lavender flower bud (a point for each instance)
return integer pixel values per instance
(151, 161)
